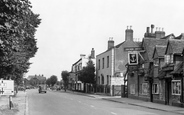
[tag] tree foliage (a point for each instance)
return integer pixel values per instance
(65, 74)
(87, 74)
(48, 82)
(53, 80)
(17, 41)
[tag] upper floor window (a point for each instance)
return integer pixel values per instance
(156, 62)
(99, 64)
(107, 61)
(102, 62)
(169, 59)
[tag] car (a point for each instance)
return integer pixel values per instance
(42, 88)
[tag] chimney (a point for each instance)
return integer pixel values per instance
(159, 33)
(110, 43)
(93, 53)
(152, 27)
(129, 34)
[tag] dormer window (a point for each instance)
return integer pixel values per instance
(156, 62)
(169, 59)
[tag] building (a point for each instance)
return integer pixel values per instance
(158, 77)
(140, 75)
(74, 82)
(110, 65)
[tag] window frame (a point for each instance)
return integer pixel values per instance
(173, 85)
(153, 88)
(107, 61)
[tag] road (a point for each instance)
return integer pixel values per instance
(63, 103)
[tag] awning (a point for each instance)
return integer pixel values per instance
(178, 68)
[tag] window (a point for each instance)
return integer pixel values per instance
(132, 89)
(166, 59)
(145, 88)
(99, 64)
(107, 61)
(169, 59)
(107, 79)
(155, 88)
(103, 63)
(156, 62)
(102, 79)
(176, 87)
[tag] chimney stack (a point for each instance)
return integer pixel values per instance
(159, 33)
(110, 43)
(93, 53)
(129, 34)
(152, 27)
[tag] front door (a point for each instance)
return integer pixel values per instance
(167, 91)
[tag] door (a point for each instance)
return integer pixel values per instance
(167, 91)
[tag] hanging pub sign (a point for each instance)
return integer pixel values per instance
(132, 58)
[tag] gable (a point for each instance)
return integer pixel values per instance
(155, 53)
(168, 49)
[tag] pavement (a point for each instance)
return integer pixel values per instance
(20, 104)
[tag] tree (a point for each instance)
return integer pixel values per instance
(48, 82)
(53, 80)
(87, 74)
(65, 74)
(17, 41)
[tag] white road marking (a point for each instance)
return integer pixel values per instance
(113, 113)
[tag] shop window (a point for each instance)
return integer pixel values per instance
(145, 88)
(176, 87)
(155, 88)
(132, 89)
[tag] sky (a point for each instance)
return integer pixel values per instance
(73, 27)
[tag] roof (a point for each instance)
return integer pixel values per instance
(170, 36)
(177, 46)
(161, 74)
(181, 37)
(150, 43)
(160, 49)
(178, 69)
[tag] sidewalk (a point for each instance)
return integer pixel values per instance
(135, 102)
(19, 104)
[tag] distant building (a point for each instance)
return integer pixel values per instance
(75, 83)
(37, 79)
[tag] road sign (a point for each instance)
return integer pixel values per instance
(6, 87)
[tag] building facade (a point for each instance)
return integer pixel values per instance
(74, 82)
(110, 65)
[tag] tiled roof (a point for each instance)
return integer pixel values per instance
(178, 69)
(177, 46)
(170, 36)
(150, 43)
(181, 37)
(160, 50)
(161, 74)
